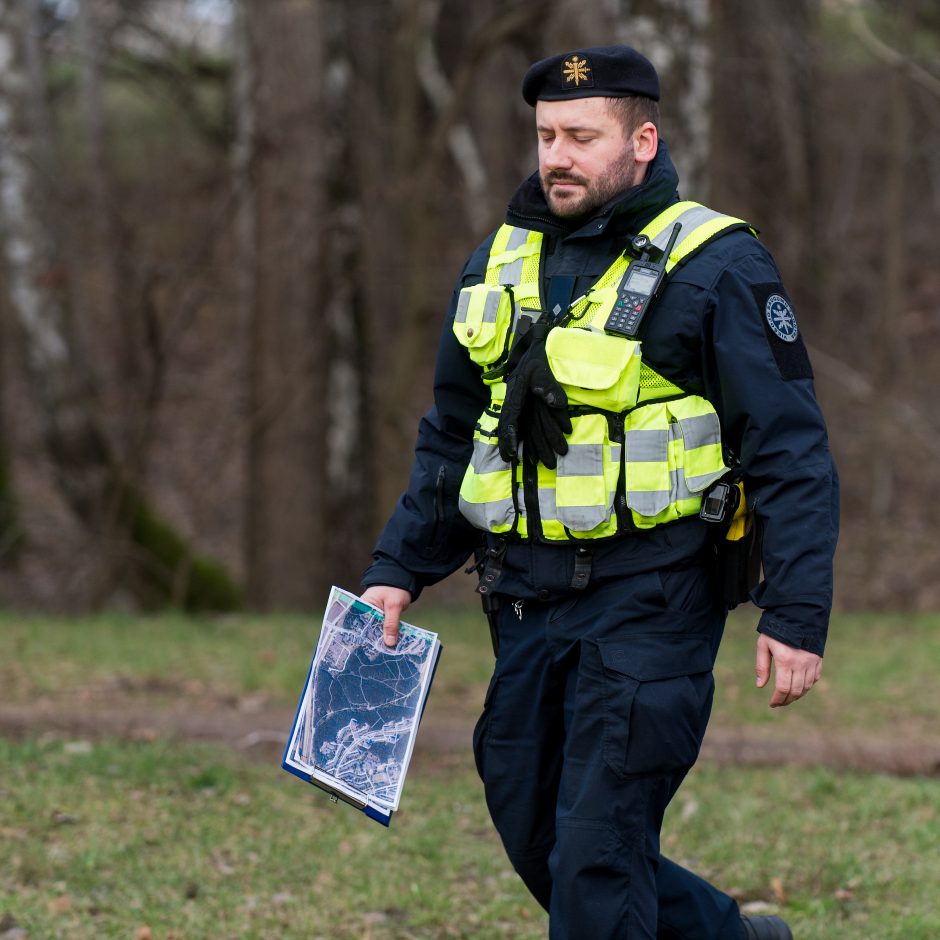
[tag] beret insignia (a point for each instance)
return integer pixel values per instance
(578, 71)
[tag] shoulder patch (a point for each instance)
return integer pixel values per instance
(781, 318)
(782, 332)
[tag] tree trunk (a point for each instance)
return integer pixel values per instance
(162, 567)
(350, 462)
(109, 242)
(674, 35)
(765, 132)
(281, 154)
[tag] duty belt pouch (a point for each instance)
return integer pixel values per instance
(739, 566)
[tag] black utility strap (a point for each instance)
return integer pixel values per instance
(583, 558)
(492, 568)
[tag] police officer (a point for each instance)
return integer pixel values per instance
(572, 449)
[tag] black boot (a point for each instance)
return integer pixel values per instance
(765, 928)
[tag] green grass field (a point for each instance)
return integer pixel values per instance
(160, 839)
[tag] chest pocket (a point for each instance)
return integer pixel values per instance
(594, 368)
(481, 323)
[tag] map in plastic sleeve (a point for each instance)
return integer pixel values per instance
(358, 716)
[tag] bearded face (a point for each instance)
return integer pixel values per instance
(585, 156)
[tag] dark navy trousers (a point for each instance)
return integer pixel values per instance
(594, 715)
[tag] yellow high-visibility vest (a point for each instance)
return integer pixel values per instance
(641, 450)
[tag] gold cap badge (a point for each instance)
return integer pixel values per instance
(576, 70)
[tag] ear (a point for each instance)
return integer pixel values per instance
(645, 142)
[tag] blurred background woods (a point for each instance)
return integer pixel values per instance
(231, 229)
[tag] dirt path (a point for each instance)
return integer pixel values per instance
(261, 733)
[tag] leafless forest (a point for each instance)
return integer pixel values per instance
(231, 228)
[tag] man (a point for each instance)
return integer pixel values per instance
(581, 446)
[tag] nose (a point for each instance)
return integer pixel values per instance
(555, 155)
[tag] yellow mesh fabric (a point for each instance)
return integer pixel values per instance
(530, 269)
(651, 379)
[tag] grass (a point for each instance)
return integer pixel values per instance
(188, 841)
(104, 839)
(171, 841)
(879, 677)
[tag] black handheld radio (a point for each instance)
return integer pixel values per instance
(639, 286)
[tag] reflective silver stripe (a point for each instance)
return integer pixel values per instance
(653, 502)
(700, 430)
(486, 515)
(486, 459)
(679, 487)
(517, 238)
(583, 518)
(463, 304)
(576, 518)
(648, 446)
(615, 453)
(547, 505)
(491, 306)
(648, 503)
(690, 220)
(511, 274)
(582, 460)
(698, 483)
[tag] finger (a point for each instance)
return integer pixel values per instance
(782, 688)
(540, 445)
(551, 393)
(508, 442)
(798, 687)
(811, 678)
(392, 624)
(762, 664)
(550, 430)
(545, 386)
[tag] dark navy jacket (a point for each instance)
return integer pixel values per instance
(708, 334)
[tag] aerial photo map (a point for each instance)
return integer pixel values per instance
(356, 725)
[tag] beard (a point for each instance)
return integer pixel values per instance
(616, 178)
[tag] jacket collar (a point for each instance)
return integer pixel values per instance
(625, 214)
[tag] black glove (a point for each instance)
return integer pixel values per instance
(544, 432)
(536, 407)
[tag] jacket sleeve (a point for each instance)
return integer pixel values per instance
(760, 380)
(426, 537)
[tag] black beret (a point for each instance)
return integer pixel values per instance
(601, 71)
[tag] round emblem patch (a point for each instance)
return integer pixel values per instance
(781, 318)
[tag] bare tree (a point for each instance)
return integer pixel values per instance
(279, 167)
(765, 132)
(675, 35)
(159, 564)
(110, 240)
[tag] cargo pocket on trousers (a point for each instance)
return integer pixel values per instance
(481, 728)
(657, 698)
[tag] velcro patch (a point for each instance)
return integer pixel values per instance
(783, 335)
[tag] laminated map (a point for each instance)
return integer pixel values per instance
(358, 716)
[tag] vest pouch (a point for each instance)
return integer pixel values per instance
(482, 320)
(650, 465)
(595, 368)
(585, 481)
(701, 459)
(486, 492)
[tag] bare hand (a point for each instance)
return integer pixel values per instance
(392, 601)
(796, 671)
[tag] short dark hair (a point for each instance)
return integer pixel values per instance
(634, 110)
